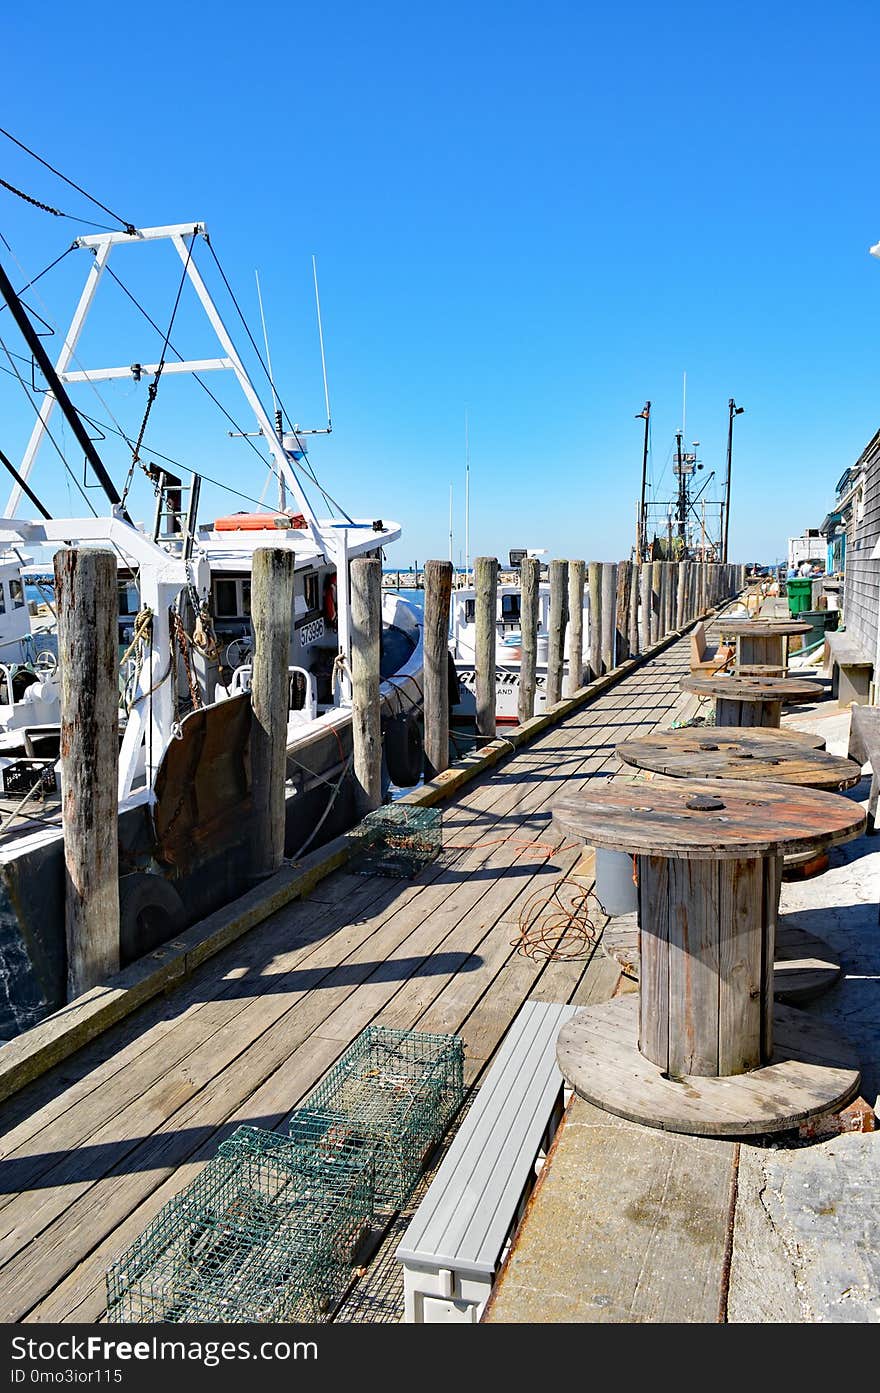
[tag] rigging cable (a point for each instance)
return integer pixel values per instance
(206, 389)
(123, 222)
(40, 274)
(47, 208)
(154, 385)
(204, 386)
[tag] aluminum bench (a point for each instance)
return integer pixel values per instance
(455, 1243)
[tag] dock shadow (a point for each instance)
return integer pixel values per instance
(306, 979)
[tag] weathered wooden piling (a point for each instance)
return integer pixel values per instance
(594, 574)
(633, 609)
(575, 676)
(271, 608)
(438, 594)
(664, 598)
(609, 613)
(366, 625)
(656, 573)
(557, 624)
(86, 588)
(622, 611)
(681, 594)
(646, 571)
(529, 577)
(486, 585)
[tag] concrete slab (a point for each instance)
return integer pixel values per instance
(805, 1241)
(628, 1224)
(807, 1233)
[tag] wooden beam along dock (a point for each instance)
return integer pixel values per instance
(91, 1149)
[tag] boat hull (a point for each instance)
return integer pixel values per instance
(506, 694)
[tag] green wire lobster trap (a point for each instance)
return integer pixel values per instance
(393, 1093)
(398, 840)
(266, 1232)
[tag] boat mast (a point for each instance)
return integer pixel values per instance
(733, 410)
(682, 489)
(642, 521)
(467, 502)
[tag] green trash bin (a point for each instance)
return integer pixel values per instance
(800, 594)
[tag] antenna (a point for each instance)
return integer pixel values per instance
(282, 491)
(450, 525)
(321, 341)
(266, 342)
(684, 402)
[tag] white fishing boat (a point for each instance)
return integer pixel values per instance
(508, 650)
(185, 649)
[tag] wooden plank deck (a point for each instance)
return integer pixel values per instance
(90, 1152)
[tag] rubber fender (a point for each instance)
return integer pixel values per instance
(150, 913)
(404, 750)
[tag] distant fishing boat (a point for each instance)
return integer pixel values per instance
(508, 650)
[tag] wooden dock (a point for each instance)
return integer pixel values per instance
(92, 1150)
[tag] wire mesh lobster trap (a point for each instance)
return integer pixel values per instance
(398, 840)
(393, 1093)
(263, 1234)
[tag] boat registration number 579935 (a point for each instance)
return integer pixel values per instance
(309, 632)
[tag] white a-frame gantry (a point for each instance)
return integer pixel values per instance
(101, 245)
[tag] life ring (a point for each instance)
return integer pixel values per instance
(329, 601)
(150, 913)
(404, 750)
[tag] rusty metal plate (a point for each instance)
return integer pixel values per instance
(204, 783)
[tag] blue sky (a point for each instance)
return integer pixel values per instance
(541, 214)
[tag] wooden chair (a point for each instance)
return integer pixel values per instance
(705, 659)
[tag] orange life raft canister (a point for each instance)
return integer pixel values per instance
(260, 522)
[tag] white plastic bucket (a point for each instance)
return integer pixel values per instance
(615, 889)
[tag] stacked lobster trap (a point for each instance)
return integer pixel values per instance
(393, 1094)
(259, 1235)
(269, 1229)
